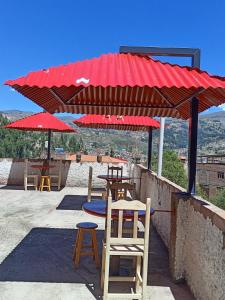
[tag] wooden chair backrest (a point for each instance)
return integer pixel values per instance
(135, 206)
(120, 190)
(118, 171)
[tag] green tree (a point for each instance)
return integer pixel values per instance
(219, 199)
(172, 168)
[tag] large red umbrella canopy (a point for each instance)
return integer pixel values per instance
(43, 121)
(121, 84)
(132, 123)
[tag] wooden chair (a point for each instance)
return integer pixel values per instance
(57, 179)
(122, 190)
(86, 227)
(94, 191)
(28, 177)
(115, 171)
(132, 247)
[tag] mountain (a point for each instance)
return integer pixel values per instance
(14, 115)
(211, 135)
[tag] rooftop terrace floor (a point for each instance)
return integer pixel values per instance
(37, 231)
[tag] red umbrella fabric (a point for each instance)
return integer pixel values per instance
(41, 122)
(131, 123)
(122, 84)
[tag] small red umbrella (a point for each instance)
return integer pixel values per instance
(131, 123)
(43, 121)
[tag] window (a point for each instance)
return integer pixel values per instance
(220, 175)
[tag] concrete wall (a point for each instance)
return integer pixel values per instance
(73, 173)
(160, 191)
(194, 233)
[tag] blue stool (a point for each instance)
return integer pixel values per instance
(86, 227)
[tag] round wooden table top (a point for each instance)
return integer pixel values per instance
(98, 209)
(114, 177)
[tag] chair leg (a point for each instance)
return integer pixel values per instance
(25, 183)
(78, 248)
(36, 183)
(75, 246)
(103, 267)
(106, 279)
(138, 271)
(144, 279)
(49, 184)
(41, 184)
(95, 247)
(59, 183)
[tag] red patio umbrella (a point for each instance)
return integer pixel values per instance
(126, 84)
(43, 121)
(122, 84)
(131, 123)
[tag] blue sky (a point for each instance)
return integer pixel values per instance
(38, 34)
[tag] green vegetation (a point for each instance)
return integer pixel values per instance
(20, 144)
(219, 199)
(173, 168)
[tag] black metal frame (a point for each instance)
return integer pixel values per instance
(150, 148)
(194, 54)
(49, 144)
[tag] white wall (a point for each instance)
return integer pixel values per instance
(73, 173)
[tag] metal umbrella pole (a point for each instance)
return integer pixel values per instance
(49, 144)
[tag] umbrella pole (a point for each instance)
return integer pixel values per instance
(161, 139)
(150, 148)
(49, 144)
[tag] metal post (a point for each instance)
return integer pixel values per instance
(192, 146)
(49, 144)
(161, 138)
(149, 148)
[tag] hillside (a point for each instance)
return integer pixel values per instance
(211, 136)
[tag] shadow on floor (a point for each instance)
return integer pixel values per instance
(21, 188)
(74, 202)
(159, 271)
(45, 255)
(12, 187)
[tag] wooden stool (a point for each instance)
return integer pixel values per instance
(82, 228)
(45, 183)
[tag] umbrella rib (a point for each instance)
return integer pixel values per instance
(164, 97)
(76, 94)
(189, 97)
(56, 96)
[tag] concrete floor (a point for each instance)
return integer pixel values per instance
(37, 231)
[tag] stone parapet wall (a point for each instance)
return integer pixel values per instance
(198, 243)
(160, 191)
(73, 173)
(194, 233)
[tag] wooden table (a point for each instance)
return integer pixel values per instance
(98, 208)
